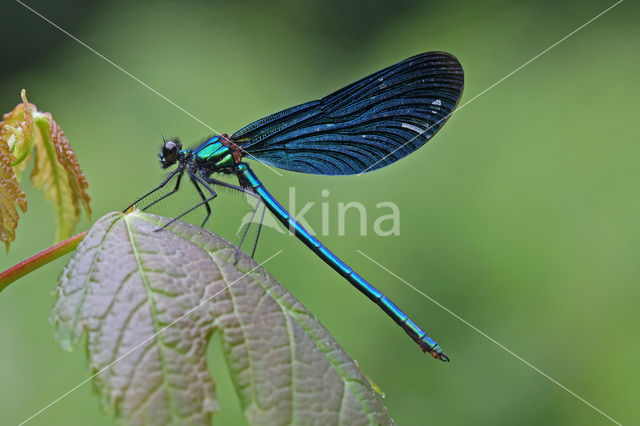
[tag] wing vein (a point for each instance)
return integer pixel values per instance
(350, 130)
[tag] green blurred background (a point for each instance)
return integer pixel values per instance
(521, 216)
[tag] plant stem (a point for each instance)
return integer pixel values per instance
(39, 259)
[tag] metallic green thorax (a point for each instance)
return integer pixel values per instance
(213, 152)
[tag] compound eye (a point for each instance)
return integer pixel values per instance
(170, 151)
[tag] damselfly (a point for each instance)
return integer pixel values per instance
(362, 127)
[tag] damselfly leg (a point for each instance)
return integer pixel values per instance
(175, 189)
(246, 230)
(179, 171)
(252, 194)
(197, 181)
(255, 244)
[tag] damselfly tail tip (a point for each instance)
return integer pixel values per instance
(434, 349)
(442, 357)
(437, 353)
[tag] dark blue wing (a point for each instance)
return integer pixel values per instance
(367, 125)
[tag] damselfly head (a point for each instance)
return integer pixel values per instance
(170, 153)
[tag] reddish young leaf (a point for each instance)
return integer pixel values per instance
(67, 158)
(17, 136)
(58, 174)
(11, 196)
(24, 131)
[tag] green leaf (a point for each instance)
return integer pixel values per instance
(130, 288)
